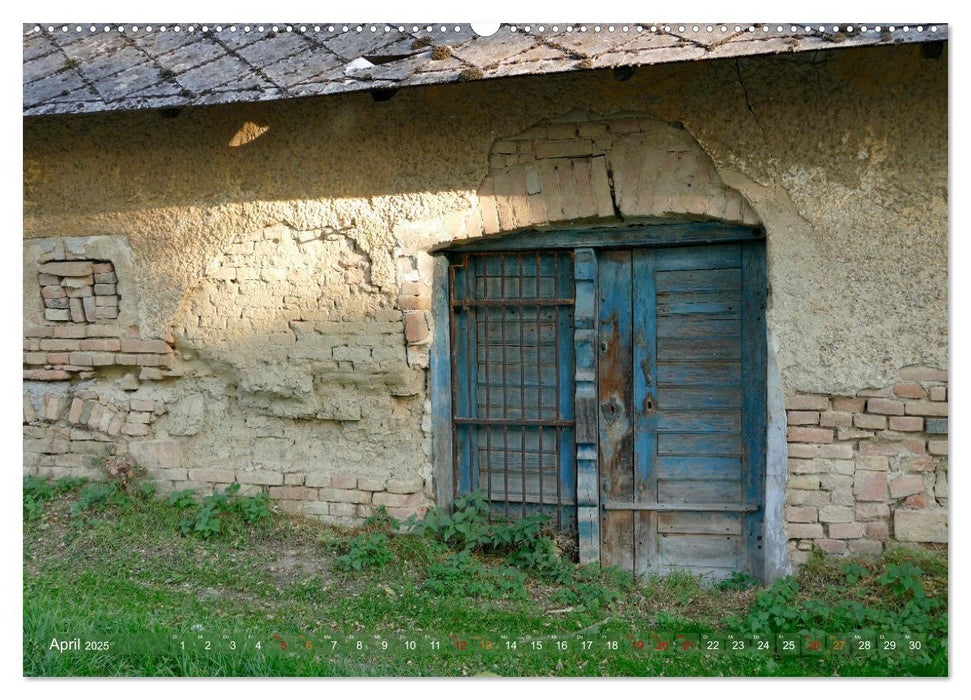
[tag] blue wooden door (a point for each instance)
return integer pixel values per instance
(681, 397)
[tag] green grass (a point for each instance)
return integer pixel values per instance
(123, 573)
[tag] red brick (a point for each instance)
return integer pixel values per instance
(924, 374)
(142, 405)
(926, 408)
(53, 292)
(840, 451)
(39, 332)
(907, 423)
(798, 531)
(801, 514)
(101, 344)
(416, 327)
(117, 421)
(886, 407)
(293, 493)
(886, 449)
(832, 419)
(831, 546)
(343, 482)
(878, 530)
(909, 390)
(906, 485)
(872, 511)
(102, 268)
(74, 416)
(917, 447)
(76, 268)
(867, 422)
(870, 486)
(46, 375)
(938, 393)
(848, 404)
(817, 435)
(69, 332)
(77, 311)
(916, 501)
(59, 345)
(845, 531)
(409, 303)
(916, 464)
(144, 346)
(867, 549)
(807, 402)
(803, 417)
(416, 289)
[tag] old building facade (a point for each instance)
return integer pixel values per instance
(718, 289)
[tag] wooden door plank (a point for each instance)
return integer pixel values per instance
(706, 349)
(722, 373)
(695, 258)
(644, 407)
(699, 280)
(692, 491)
(700, 421)
(713, 523)
(615, 395)
(699, 444)
(699, 467)
(699, 325)
(718, 551)
(672, 398)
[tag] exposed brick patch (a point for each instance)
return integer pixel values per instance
(79, 291)
(872, 468)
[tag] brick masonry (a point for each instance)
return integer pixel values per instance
(870, 468)
(79, 291)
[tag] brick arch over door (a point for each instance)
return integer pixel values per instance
(587, 168)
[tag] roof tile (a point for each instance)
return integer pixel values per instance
(111, 70)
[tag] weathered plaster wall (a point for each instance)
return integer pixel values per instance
(292, 269)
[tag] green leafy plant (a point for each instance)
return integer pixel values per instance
(253, 508)
(220, 511)
(369, 550)
(38, 491)
(738, 581)
(380, 520)
(98, 497)
(182, 499)
(461, 574)
(205, 522)
(853, 572)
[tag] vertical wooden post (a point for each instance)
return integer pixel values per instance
(441, 387)
(754, 294)
(585, 339)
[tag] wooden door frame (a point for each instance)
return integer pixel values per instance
(584, 242)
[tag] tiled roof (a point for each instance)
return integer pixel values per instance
(74, 69)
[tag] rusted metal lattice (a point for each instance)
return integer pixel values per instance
(512, 381)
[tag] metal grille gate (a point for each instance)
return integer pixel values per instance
(513, 381)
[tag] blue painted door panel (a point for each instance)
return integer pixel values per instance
(682, 408)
